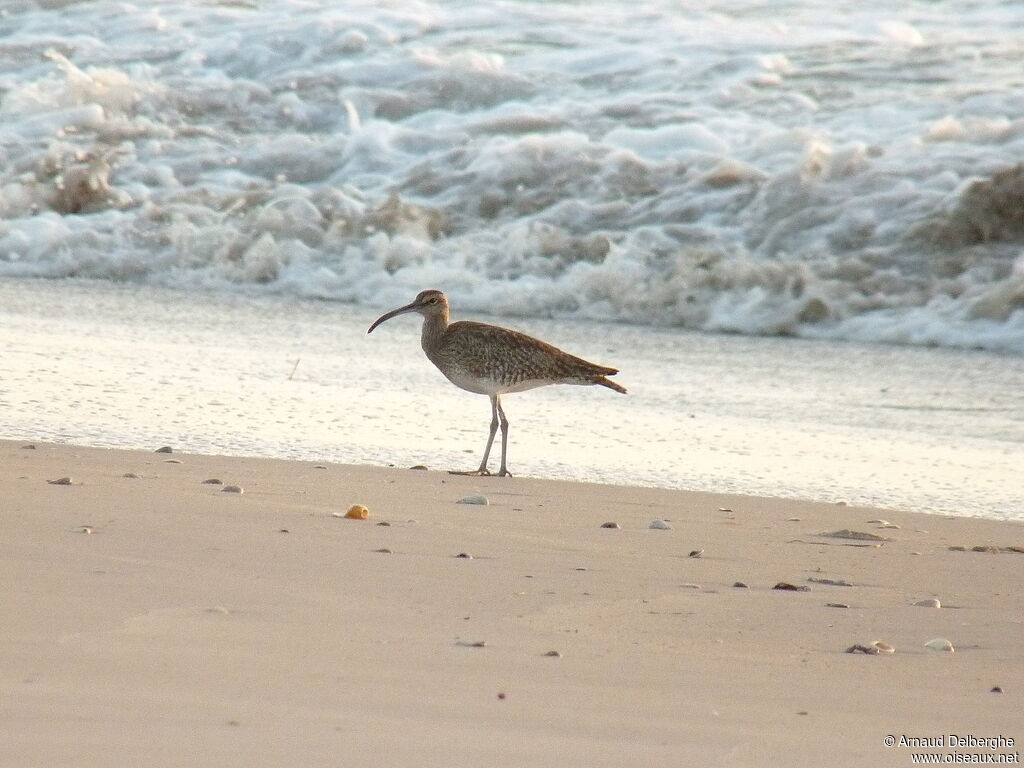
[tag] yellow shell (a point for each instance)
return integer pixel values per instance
(357, 512)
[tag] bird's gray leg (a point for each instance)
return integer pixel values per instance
(503, 471)
(495, 408)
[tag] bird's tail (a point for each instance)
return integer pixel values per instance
(605, 382)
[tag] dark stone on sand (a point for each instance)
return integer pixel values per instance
(164, 449)
(786, 586)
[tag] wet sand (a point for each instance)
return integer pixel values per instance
(158, 620)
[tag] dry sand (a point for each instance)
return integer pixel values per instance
(193, 626)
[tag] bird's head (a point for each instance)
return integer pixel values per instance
(430, 303)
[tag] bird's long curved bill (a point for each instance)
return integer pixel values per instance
(389, 315)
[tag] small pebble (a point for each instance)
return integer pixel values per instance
(172, 461)
(85, 529)
(420, 467)
(610, 525)
(474, 644)
(740, 585)
(940, 644)
(212, 481)
(383, 551)
(319, 466)
(830, 582)
(836, 605)
(232, 489)
(724, 509)
(283, 530)
(553, 654)
(164, 449)
(696, 553)
(501, 694)
(786, 586)
(931, 602)
(877, 647)
(660, 525)
(476, 498)
(793, 520)
(465, 555)
(28, 447)
(384, 523)
(130, 475)
(996, 689)
(846, 533)
(60, 481)
(690, 585)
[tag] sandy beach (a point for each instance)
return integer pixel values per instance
(151, 618)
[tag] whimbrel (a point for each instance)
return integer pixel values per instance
(494, 361)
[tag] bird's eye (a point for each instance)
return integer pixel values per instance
(432, 300)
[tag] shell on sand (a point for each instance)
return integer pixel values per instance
(846, 533)
(476, 498)
(940, 644)
(882, 646)
(931, 602)
(357, 512)
(660, 525)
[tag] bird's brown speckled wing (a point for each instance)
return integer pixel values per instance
(509, 357)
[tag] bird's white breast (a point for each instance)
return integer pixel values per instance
(486, 386)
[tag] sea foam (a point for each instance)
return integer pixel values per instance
(746, 171)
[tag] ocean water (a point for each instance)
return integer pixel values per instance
(815, 168)
(120, 365)
(796, 227)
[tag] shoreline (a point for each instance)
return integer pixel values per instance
(270, 377)
(159, 618)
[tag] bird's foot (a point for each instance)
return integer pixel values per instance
(480, 473)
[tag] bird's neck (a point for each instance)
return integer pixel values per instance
(434, 327)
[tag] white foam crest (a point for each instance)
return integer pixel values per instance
(663, 164)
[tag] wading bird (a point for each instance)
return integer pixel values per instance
(494, 361)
